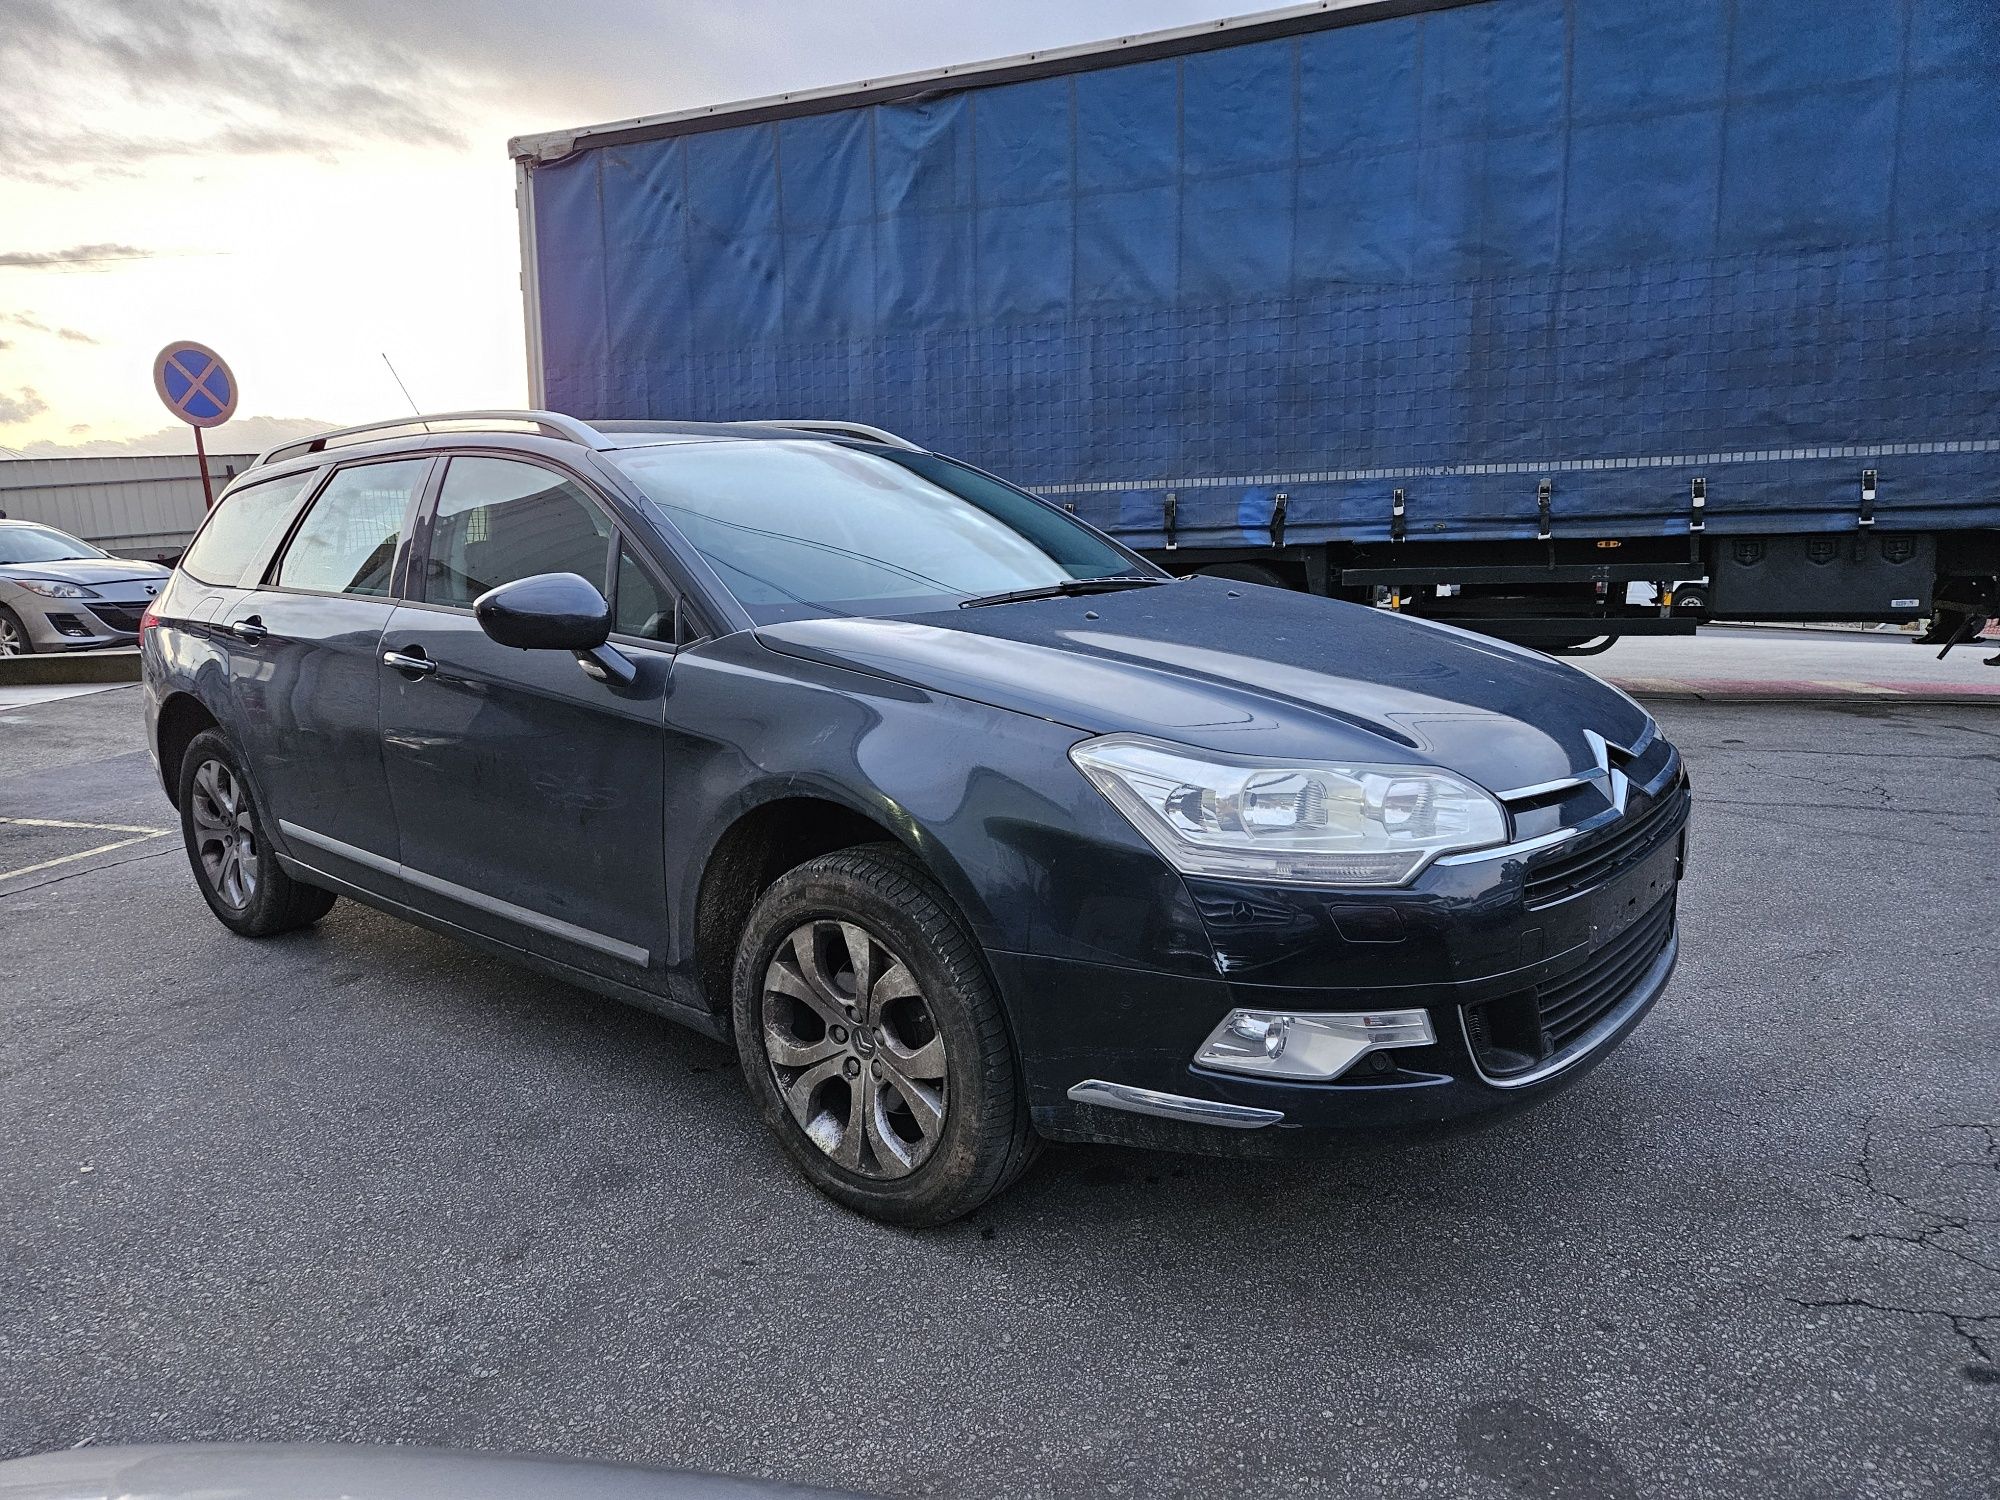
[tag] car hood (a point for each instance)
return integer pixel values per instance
(87, 570)
(1250, 670)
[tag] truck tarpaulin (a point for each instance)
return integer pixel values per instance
(1533, 263)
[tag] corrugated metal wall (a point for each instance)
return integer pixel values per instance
(139, 506)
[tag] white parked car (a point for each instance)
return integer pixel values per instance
(58, 593)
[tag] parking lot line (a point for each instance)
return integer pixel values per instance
(139, 836)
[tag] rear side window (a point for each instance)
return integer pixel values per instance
(242, 527)
(498, 520)
(347, 542)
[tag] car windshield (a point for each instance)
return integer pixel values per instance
(800, 529)
(38, 544)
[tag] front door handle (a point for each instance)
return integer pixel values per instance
(412, 660)
(250, 630)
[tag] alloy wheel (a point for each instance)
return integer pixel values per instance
(855, 1049)
(12, 642)
(224, 839)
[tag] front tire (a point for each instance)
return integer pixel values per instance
(14, 637)
(231, 857)
(873, 1043)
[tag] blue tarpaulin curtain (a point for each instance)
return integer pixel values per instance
(1615, 243)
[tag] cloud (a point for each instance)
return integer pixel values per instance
(36, 325)
(222, 78)
(244, 435)
(75, 255)
(19, 407)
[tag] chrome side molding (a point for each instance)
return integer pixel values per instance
(1140, 1101)
(466, 896)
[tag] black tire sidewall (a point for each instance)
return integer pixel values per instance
(971, 1162)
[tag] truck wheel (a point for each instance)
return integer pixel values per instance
(1582, 645)
(873, 1043)
(1245, 573)
(232, 860)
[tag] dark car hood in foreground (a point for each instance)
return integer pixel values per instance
(332, 1471)
(1249, 670)
(88, 571)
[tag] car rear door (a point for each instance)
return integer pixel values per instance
(305, 670)
(529, 796)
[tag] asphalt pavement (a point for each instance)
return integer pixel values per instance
(363, 1184)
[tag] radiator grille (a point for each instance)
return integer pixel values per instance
(1584, 864)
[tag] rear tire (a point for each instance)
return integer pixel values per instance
(232, 859)
(873, 1043)
(14, 637)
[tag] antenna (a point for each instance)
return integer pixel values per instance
(405, 390)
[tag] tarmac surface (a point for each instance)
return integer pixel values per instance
(360, 1183)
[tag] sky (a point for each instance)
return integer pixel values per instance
(308, 185)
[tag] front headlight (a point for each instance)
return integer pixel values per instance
(48, 588)
(1294, 823)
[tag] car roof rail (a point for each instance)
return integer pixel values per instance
(549, 423)
(834, 428)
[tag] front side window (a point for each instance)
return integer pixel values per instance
(797, 529)
(347, 542)
(42, 544)
(499, 520)
(245, 521)
(644, 608)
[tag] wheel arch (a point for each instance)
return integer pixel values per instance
(778, 833)
(182, 716)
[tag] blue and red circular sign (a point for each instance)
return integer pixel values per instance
(196, 385)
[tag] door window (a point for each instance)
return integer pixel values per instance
(347, 542)
(247, 519)
(645, 609)
(499, 520)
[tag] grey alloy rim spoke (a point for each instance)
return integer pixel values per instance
(925, 1106)
(854, 1049)
(805, 979)
(787, 1051)
(861, 962)
(224, 841)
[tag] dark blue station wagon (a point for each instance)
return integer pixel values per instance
(969, 826)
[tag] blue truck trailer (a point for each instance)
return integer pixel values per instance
(1485, 309)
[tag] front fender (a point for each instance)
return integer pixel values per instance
(1034, 857)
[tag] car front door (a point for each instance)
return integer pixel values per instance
(529, 795)
(305, 670)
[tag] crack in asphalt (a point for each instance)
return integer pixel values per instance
(1971, 1327)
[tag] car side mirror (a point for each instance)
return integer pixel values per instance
(554, 612)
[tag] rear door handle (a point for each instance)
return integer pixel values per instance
(413, 660)
(250, 630)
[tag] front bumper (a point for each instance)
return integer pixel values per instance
(1599, 960)
(79, 624)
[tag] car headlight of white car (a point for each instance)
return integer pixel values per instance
(50, 588)
(1294, 823)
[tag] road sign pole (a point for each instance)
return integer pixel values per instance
(201, 462)
(199, 389)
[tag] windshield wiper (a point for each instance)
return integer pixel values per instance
(1106, 585)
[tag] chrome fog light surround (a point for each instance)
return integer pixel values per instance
(1308, 1046)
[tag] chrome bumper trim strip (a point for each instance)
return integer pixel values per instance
(1140, 1101)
